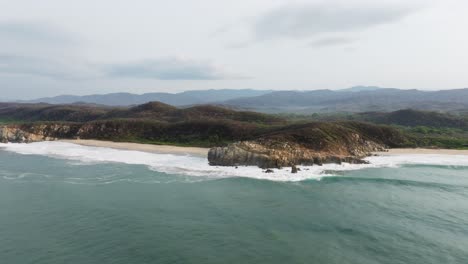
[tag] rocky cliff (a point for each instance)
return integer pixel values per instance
(34, 133)
(310, 144)
(267, 154)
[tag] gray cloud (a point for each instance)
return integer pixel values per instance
(36, 32)
(37, 66)
(170, 69)
(160, 69)
(39, 49)
(36, 40)
(310, 20)
(42, 50)
(332, 41)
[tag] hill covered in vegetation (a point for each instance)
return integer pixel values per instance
(208, 125)
(154, 111)
(152, 122)
(413, 118)
(425, 128)
(354, 101)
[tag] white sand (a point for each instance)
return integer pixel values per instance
(403, 151)
(164, 149)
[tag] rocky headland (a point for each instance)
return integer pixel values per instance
(306, 144)
(273, 154)
(309, 144)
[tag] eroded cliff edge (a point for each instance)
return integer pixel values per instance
(309, 144)
(273, 154)
(27, 133)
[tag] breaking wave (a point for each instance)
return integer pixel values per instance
(198, 166)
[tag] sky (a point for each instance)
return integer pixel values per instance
(53, 47)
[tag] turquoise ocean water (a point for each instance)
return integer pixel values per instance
(70, 207)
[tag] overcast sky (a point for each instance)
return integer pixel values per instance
(52, 47)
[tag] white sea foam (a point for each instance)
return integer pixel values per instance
(198, 166)
(418, 159)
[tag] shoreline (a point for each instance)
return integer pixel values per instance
(161, 149)
(421, 151)
(203, 152)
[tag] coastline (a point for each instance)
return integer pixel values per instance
(163, 149)
(422, 151)
(203, 152)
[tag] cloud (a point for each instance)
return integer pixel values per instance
(332, 41)
(310, 20)
(171, 69)
(37, 49)
(220, 31)
(37, 66)
(36, 39)
(36, 32)
(160, 69)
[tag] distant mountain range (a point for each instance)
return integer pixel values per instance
(381, 100)
(177, 99)
(355, 99)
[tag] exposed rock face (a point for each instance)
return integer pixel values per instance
(17, 135)
(34, 133)
(266, 153)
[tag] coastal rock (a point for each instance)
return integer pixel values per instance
(294, 169)
(17, 135)
(34, 133)
(267, 153)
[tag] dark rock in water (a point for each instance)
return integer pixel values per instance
(294, 169)
(332, 159)
(269, 171)
(318, 161)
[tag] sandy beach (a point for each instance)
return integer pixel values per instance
(203, 152)
(165, 149)
(403, 151)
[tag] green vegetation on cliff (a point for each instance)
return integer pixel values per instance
(159, 123)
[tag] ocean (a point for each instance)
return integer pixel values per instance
(65, 203)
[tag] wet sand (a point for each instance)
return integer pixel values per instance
(165, 149)
(203, 152)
